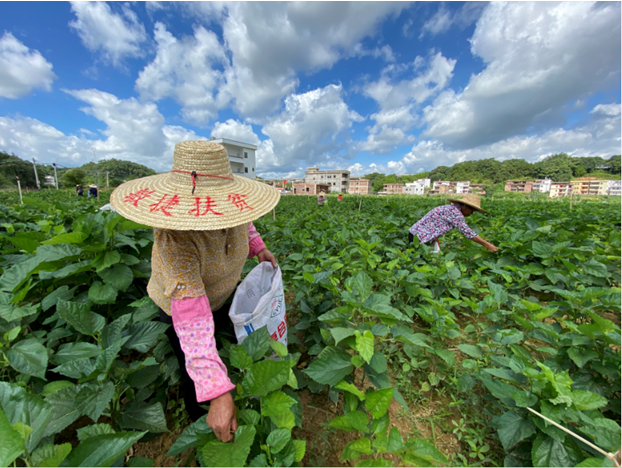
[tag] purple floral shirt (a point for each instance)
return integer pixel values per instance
(439, 221)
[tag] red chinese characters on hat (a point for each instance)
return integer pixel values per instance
(134, 198)
(238, 201)
(164, 205)
(204, 207)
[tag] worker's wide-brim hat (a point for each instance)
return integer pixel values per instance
(474, 201)
(199, 194)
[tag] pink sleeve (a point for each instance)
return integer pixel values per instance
(194, 325)
(255, 244)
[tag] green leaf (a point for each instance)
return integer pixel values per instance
(377, 402)
(279, 348)
(277, 439)
(266, 376)
(330, 367)
(547, 451)
(140, 461)
(55, 387)
(100, 293)
(12, 445)
(50, 455)
(77, 350)
(423, 450)
(216, 453)
(75, 237)
(590, 462)
(11, 312)
(363, 284)
(512, 428)
(276, 403)
(29, 357)
(340, 333)
(22, 406)
(594, 268)
(348, 387)
(542, 250)
(378, 363)
(68, 404)
(356, 448)
(498, 389)
(102, 450)
(353, 421)
(586, 401)
(190, 437)
(447, 356)
(581, 356)
(118, 276)
(112, 332)
(144, 416)
(80, 317)
(524, 399)
(143, 335)
(24, 243)
(365, 344)
(94, 430)
(249, 416)
(470, 350)
(605, 433)
(396, 441)
(239, 357)
(107, 260)
(285, 420)
(76, 369)
(308, 277)
(301, 447)
(257, 343)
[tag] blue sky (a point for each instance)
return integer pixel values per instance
(369, 86)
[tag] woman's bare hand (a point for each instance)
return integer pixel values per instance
(222, 417)
(491, 248)
(266, 256)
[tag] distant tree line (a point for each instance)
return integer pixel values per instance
(378, 180)
(91, 173)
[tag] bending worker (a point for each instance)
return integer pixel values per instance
(203, 233)
(442, 219)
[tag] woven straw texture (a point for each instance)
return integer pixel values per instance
(221, 200)
(472, 200)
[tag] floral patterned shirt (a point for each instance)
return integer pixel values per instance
(439, 221)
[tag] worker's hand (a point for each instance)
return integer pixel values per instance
(491, 248)
(222, 417)
(266, 256)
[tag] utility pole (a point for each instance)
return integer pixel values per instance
(36, 176)
(107, 183)
(55, 176)
(19, 189)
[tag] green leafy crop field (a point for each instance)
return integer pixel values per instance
(397, 356)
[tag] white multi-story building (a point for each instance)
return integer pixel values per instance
(463, 187)
(614, 187)
(241, 156)
(427, 183)
(414, 188)
(559, 189)
(337, 180)
(542, 185)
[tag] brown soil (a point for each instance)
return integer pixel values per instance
(156, 450)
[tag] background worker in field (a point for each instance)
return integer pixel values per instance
(203, 233)
(321, 199)
(442, 219)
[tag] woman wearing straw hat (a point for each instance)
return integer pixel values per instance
(321, 199)
(442, 219)
(203, 233)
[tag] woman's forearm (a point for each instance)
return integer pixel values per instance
(486, 244)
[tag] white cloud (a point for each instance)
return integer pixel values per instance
(536, 55)
(134, 131)
(439, 23)
(116, 36)
(185, 69)
(400, 100)
(606, 109)
(312, 127)
(235, 130)
(444, 19)
(267, 44)
(22, 69)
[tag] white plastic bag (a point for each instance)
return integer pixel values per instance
(259, 301)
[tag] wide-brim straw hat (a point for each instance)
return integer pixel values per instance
(199, 194)
(472, 200)
(322, 193)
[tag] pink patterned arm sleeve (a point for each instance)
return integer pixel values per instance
(255, 244)
(459, 223)
(194, 325)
